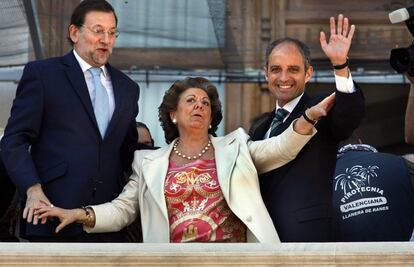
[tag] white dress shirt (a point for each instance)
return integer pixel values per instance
(105, 79)
(344, 85)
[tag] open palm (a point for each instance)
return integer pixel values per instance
(337, 48)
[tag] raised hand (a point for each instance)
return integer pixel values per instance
(337, 48)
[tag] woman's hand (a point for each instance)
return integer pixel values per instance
(65, 216)
(315, 113)
(321, 109)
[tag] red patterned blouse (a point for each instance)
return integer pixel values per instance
(197, 210)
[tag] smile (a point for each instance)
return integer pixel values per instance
(285, 86)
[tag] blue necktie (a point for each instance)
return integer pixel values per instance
(280, 115)
(101, 107)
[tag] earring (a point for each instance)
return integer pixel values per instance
(209, 126)
(174, 121)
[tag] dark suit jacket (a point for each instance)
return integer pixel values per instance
(8, 207)
(7, 189)
(298, 195)
(53, 115)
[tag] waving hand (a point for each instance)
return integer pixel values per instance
(337, 48)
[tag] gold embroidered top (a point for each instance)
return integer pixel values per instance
(196, 207)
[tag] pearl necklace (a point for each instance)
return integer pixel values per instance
(176, 151)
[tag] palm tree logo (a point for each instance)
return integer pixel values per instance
(355, 177)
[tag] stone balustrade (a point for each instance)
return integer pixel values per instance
(196, 254)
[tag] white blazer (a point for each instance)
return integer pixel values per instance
(238, 162)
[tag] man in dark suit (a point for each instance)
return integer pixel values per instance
(298, 195)
(71, 132)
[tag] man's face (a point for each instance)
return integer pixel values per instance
(94, 40)
(285, 73)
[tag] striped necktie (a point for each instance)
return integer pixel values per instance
(101, 107)
(280, 115)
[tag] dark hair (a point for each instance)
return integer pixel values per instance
(302, 47)
(170, 102)
(139, 124)
(86, 6)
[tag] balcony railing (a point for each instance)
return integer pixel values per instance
(196, 254)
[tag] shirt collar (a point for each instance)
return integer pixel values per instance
(290, 105)
(85, 66)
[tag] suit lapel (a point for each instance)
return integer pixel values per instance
(119, 95)
(226, 153)
(262, 126)
(155, 167)
(296, 113)
(77, 79)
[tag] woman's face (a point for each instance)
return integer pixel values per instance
(193, 110)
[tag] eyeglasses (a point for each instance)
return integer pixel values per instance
(99, 32)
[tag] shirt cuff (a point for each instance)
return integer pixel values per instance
(345, 85)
